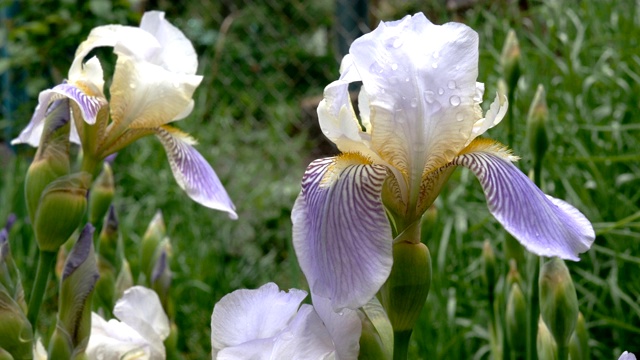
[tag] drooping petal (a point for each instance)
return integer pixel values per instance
(145, 95)
(192, 171)
(341, 233)
(89, 106)
(305, 338)
(247, 315)
(344, 327)
(115, 340)
(421, 83)
(177, 53)
(140, 308)
(494, 115)
(544, 225)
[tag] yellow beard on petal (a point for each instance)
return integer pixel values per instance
(340, 163)
(489, 145)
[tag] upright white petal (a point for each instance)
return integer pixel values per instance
(116, 340)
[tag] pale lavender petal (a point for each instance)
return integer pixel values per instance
(140, 308)
(247, 315)
(341, 233)
(305, 338)
(260, 349)
(193, 173)
(544, 225)
(89, 106)
(627, 356)
(345, 327)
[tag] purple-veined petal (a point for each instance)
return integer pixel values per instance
(176, 53)
(544, 225)
(249, 315)
(89, 106)
(192, 171)
(344, 327)
(304, 338)
(341, 233)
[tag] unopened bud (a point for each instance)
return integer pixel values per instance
(76, 289)
(545, 344)
(513, 276)
(124, 280)
(489, 273)
(61, 209)
(516, 320)
(101, 195)
(558, 300)
(16, 334)
(52, 158)
(579, 343)
(10, 282)
(536, 125)
(110, 238)
(406, 289)
(150, 246)
(510, 60)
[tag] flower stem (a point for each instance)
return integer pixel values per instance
(401, 344)
(45, 263)
(534, 307)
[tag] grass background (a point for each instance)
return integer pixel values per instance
(259, 68)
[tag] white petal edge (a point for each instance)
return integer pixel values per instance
(115, 340)
(344, 327)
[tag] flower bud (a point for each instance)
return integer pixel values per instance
(101, 195)
(376, 339)
(489, 273)
(516, 319)
(16, 334)
(536, 125)
(558, 300)
(61, 209)
(149, 246)
(161, 276)
(406, 289)
(513, 276)
(76, 289)
(109, 240)
(545, 345)
(579, 343)
(52, 158)
(9, 274)
(510, 60)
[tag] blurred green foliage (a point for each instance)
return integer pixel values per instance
(261, 59)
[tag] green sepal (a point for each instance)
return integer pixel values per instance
(545, 345)
(510, 60)
(16, 333)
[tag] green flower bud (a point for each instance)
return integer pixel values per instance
(510, 60)
(10, 281)
(61, 209)
(161, 276)
(516, 318)
(513, 276)
(545, 345)
(376, 340)
(171, 343)
(124, 280)
(4, 355)
(536, 125)
(16, 334)
(406, 289)
(579, 343)
(558, 301)
(101, 195)
(149, 246)
(489, 273)
(76, 289)
(52, 158)
(110, 239)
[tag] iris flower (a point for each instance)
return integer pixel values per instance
(140, 333)
(153, 84)
(267, 323)
(420, 118)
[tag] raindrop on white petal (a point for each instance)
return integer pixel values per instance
(434, 65)
(375, 68)
(382, 91)
(440, 91)
(132, 85)
(436, 55)
(414, 102)
(454, 100)
(394, 66)
(451, 85)
(341, 313)
(429, 96)
(397, 43)
(407, 79)
(460, 116)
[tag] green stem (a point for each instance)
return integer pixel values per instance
(510, 128)
(45, 263)
(563, 352)
(401, 344)
(534, 308)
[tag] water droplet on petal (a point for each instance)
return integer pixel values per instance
(434, 65)
(451, 85)
(414, 102)
(375, 68)
(132, 85)
(440, 91)
(429, 96)
(460, 116)
(436, 55)
(407, 79)
(454, 100)
(397, 43)
(394, 66)
(341, 313)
